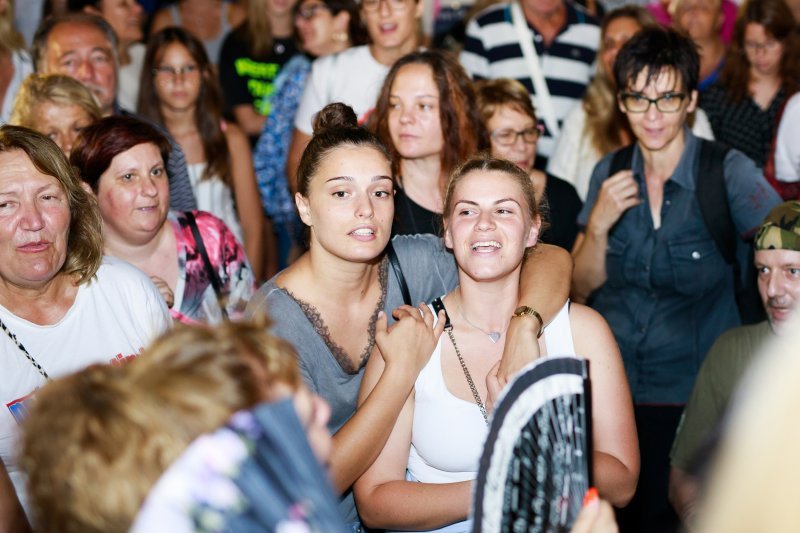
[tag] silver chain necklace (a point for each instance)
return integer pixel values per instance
(494, 336)
(471, 383)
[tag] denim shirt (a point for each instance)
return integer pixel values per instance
(669, 293)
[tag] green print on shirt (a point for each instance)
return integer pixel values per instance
(260, 81)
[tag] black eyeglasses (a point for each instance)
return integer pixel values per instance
(639, 103)
(308, 12)
(507, 137)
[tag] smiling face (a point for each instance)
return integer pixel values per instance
(61, 122)
(81, 51)
(393, 25)
(178, 78)
(655, 130)
(510, 118)
(350, 204)
(133, 195)
(489, 226)
(764, 52)
(414, 116)
(778, 284)
(35, 219)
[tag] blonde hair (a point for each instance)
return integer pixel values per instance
(85, 242)
(61, 90)
(96, 442)
(10, 39)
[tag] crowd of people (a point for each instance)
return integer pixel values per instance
(270, 264)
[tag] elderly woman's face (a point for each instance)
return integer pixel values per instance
(133, 194)
(35, 218)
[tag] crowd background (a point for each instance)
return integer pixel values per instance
(256, 157)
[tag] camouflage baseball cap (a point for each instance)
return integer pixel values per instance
(781, 229)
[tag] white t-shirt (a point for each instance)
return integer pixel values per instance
(113, 318)
(787, 144)
(353, 77)
(214, 196)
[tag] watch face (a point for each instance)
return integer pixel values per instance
(521, 310)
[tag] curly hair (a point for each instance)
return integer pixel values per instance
(85, 242)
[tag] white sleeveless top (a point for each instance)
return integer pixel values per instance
(215, 197)
(448, 433)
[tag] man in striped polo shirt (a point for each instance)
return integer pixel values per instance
(565, 39)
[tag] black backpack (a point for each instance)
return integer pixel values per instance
(709, 189)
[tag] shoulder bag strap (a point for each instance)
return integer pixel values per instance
(539, 84)
(398, 272)
(212, 274)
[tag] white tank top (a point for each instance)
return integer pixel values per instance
(448, 433)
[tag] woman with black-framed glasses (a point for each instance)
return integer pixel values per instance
(646, 258)
(508, 115)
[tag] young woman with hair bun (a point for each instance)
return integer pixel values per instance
(333, 304)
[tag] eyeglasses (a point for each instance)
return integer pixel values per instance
(767, 46)
(639, 103)
(375, 5)
(508, 137)
(172, 72)
(308, 12)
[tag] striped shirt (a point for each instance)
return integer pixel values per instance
(492, 50)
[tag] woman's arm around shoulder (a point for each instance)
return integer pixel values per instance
(544, 286)
(247, 197)
(616, 446)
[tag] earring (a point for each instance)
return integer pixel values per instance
(339, 36)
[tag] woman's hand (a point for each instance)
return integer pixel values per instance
(164, 289)
(597, 516)
(617, 194)
(522, 347)
(412, 339)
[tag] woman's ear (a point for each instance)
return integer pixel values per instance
(303, 209)
(448, 238)
(533, 233)
(341, 23)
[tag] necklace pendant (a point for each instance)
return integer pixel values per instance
(494, 336)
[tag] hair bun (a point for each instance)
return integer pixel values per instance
(335, 115)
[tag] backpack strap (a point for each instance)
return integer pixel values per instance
(621, 160)
(712, 196)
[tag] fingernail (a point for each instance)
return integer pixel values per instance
(590, 497)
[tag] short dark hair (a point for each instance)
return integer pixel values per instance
(654, 49)
(102, 141)
(46, 27)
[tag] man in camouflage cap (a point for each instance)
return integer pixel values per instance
(777, 259)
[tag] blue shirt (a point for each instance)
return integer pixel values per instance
(669, 293)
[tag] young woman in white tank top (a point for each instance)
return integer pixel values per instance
(422, 480)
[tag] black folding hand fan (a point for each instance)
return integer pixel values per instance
(536, 463)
